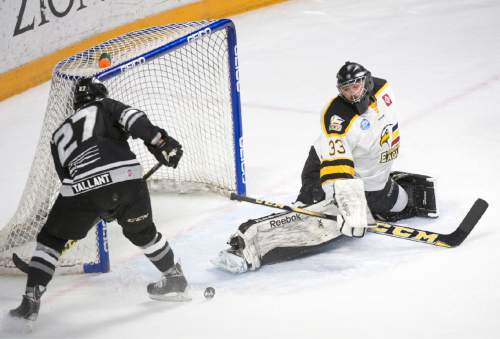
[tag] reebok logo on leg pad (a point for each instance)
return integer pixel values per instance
(283, 221)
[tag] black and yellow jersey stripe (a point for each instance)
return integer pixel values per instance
(333, 169)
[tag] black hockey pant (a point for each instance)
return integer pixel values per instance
(71, 218)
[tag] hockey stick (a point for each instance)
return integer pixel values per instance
(299, 210)
(152, 171)
(452, 239)
(24, 266)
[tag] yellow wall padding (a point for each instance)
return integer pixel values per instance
(33, 73)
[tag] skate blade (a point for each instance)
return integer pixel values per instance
(174, 296)
(230, 262)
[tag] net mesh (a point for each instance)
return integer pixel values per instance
(186, 91)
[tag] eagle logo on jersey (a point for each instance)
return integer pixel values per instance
(336, 123)
(389, 136)
(385, 135)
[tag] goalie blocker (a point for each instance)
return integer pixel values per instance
(283, 236)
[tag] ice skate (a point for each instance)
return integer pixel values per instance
(30, 304)
(172, 286)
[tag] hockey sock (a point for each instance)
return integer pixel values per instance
(43, 262)
(42, 266)
(160, 253)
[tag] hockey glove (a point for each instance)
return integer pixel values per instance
(166, 149)
(350, 196)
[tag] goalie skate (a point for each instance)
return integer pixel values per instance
(172, 286)
(231, 260)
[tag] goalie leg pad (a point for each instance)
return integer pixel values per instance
(257, 237)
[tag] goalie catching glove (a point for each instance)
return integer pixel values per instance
(350, 197)
(166, 149)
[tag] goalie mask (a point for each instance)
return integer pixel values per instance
(355, 85)
(88, 90)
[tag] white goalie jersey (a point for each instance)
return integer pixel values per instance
(359, 146)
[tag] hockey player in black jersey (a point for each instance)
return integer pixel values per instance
(347, 173)
(102, 179)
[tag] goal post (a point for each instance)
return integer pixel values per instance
(101, 264)
(185, 77)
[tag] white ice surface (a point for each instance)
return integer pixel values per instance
(442, 59)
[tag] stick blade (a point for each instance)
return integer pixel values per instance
(20, 264)
(468, 223)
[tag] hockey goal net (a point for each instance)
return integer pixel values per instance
(185, 77)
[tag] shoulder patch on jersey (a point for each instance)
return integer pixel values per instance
(338, 117)
(364, 124)
(387, 99)
(336, 123)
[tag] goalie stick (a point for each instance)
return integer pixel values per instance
(24, 266)
(452, 239)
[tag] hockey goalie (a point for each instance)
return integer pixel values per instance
(347, 173)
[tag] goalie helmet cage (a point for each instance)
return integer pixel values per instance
(185, 77)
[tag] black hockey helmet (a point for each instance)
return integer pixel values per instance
(350, 75)
(88, 90)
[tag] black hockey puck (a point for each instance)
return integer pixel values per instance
(209, 293)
